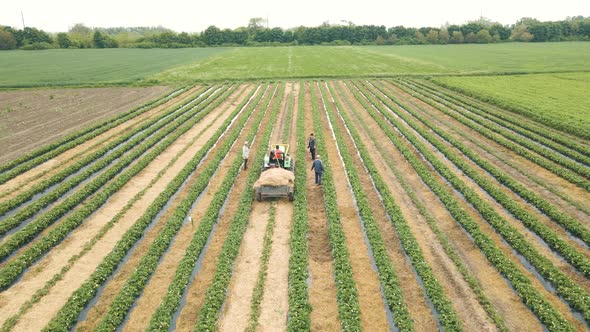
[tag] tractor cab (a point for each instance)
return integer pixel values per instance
(284, 160)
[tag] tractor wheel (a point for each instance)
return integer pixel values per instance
(291, 197)
(258, 196)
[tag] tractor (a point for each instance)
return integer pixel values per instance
(277, 177)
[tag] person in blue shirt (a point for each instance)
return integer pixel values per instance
(318, 166)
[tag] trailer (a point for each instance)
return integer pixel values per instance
(277, 177)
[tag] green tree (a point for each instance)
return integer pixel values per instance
(99, 40)
(380, 40)
(521, 33)
(457, 37)
(443, 36)
(432, 36)
(63, 40)
(483, 37)
(7, 40)
(470, 38)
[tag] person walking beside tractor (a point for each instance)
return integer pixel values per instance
(245, 153)
(318, 166)
(311, 146)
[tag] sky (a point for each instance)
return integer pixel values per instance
(196, 16)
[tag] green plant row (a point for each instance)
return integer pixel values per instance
(387, 272)
(510, 106)
(217, 291)
(68, 314)
(265, 257)
(34, 158)
(30, 231)
(547, 137)
(570, 253)
(551, 318)
(10, 272)
(569, 290)
(162, 318)
(444, 241)
(146, 129)
(515, 137)
(447, 315)
(136, 283)
(508, 143)
(299, 308)
(40, 293)
(346, 292)
(566, 221)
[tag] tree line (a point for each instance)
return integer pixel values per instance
(480, 31)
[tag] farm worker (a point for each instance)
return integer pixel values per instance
(245, 153)
(318, 166)
(279, 156)
(311, 146)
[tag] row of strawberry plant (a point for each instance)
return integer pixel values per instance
(31, 230)
(447, 315)
(41, 292)
(513, 107)
(299, 308)
(532, 145)
(566, 250)
(430, 219)
(68, 314)
(30, 160)
(547, 314)
(162, 318)
(258, 292)
(123, 144)
(493, 135)
(216, 293)
(10, 272)
(346, 292)
(575, 295)
(134, 286)
(543, 135)
(559, 165)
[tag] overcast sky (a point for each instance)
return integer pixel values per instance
(195, 16)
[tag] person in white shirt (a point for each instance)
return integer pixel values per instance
(245, 153)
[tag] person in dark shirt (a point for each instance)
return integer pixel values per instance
(311, 146)
(318, 166)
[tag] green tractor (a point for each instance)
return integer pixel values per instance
(279, 183)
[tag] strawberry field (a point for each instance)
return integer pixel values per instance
(437, 211)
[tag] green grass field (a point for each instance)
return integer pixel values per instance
(164, 66)
(92, 66)
(559, 98)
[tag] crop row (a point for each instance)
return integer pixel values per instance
(571, 292)
(552, 319)
(539, 145)
(138, 280)
(346, 292)
(162, 318)
(217, 291)
(491, 134)
(430, 219)
(30, 160)
(258, 292)
(31, 230)
(513, 107)
(386, 270)
(68, 314)
(566, 250)
(434, 290)
(299, 307)
(132, 139)
(569, 223)
(13, 269)
(41, 292)
(544, 136)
